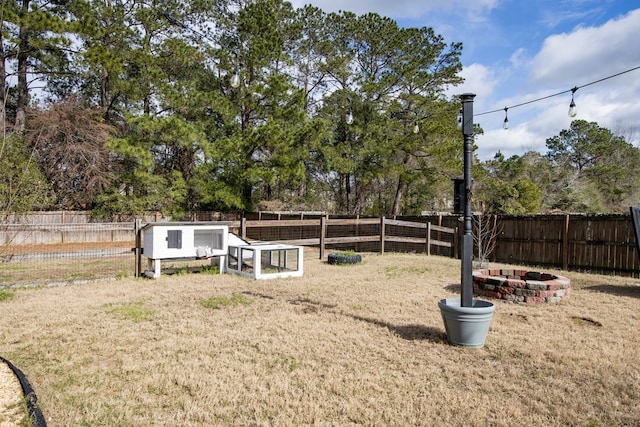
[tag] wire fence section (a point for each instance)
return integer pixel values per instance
(56, 254)
(44, 253)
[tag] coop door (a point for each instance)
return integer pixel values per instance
(174, 239)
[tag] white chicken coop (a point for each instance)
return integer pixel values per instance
(181, 241)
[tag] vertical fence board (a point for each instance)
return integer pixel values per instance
(382, 234)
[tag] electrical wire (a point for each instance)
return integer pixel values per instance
(573, 89)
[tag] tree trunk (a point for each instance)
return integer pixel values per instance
(3, 90)
(347, 192)
(402, 186)
(397, 201)
(247, 196)
(23, 90)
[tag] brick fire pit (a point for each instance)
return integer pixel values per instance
(521, 286)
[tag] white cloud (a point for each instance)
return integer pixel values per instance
(616, 109)
(515, 141)
(519, 58)
(401, 9)
(478, 79)
(529, 128)
(578, 58)
(587, 54)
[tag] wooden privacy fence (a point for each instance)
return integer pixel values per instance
(359, 234)
(591, 242)
(597, 243)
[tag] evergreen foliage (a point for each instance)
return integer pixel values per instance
(141, 116)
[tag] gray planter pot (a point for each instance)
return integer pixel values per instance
(466, 326)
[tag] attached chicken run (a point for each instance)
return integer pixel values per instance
(185, 241)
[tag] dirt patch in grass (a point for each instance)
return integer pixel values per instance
(362, 345)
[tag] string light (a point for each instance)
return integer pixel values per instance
(349, 118)
(505, 124)
(572, 106)
(460, 119)
(235, 79)
(416, 128)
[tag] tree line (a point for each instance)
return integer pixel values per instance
(123, 107)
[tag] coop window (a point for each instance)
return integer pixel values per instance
(210, 238)
(174, 239)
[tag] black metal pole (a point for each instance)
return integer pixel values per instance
(466, 299)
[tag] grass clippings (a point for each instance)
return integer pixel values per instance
(363, 346)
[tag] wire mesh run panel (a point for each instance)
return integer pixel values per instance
(265, 261)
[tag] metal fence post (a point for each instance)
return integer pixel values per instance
(323, 234)
(137, 228)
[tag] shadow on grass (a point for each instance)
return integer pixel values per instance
(407, 332)
(257, 294)
(617, 290)
(455, 288)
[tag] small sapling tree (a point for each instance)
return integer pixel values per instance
(486, 229)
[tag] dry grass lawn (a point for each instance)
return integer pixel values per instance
(345, 345)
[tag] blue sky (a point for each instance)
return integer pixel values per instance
(515, 51)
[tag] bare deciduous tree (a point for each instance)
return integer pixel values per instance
(486, 229)
(70, 141)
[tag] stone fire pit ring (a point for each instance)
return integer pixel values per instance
(521, 286)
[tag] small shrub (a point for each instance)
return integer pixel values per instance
(6, 295)
(216, 302)
(122, 275)
(210, 269)
(292, 363)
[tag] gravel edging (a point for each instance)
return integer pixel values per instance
(14, 388)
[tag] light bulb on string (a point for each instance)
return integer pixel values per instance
(349, 117)
(505, 124)
(416, 128)
(459, 119)
(235, 78)
(573, 111)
